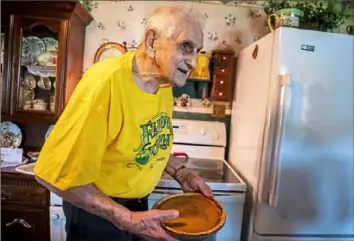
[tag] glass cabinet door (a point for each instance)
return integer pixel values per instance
(35, 66)
(5, 68)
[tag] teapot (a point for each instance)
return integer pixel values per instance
(288, 17)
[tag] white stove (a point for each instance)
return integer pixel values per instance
(200, 146)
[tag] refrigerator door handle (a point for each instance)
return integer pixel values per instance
(283, 96)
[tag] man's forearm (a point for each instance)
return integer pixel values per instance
(90, 199)
(173, 166)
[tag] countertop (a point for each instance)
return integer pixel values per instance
(13, 172)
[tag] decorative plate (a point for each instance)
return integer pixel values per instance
(51, 44)
(11, 135)
(36, 45)
(26, 56)
(48, 131)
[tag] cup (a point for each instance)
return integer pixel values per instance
(40, 105)
(38, 101)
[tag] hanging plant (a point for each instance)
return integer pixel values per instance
(318, 15)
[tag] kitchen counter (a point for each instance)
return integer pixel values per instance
(27, 170)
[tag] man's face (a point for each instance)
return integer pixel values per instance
(177, 57)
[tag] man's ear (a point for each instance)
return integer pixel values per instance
(150, 38)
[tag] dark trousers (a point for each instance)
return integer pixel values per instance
(84, 226)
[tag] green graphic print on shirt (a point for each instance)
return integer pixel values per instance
(156, 134)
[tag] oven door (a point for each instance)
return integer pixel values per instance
(57, 224)
(233, 202)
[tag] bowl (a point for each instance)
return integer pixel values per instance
(200, 217)
(33, 155)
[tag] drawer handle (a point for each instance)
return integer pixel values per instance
(5, 195)
(220, 94)
(221, 82)
(19, 220)
(223, 58)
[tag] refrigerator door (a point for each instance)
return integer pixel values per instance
(309, 152)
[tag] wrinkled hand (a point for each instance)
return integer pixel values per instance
(147, 224)
(191, 182)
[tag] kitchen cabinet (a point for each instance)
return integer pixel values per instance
(223, 77)
(43, 57)
(24, 208)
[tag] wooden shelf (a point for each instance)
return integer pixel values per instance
(198, 108)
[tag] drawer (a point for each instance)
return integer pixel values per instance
(223, 70)
(221, 82)
(25, 224)
(221, 94)
(31, 196)
(222, 59)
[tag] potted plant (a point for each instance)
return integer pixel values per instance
(318, 15)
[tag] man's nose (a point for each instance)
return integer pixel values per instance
(192, 62)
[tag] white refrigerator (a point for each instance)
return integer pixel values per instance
(292, 136)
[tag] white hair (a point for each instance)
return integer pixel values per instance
(169, 20)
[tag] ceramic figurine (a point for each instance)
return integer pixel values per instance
(184, 101)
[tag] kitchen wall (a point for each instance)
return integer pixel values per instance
(238, 23)
(120, 21)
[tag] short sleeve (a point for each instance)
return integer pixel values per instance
(72, 154)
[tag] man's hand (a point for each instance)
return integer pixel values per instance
(191, 182)
(147, 224)
(188, 181)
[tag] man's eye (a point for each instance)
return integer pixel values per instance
(187, 47)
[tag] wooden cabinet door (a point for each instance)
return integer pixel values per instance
(23, 224)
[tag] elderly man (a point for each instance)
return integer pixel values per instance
(109, 148)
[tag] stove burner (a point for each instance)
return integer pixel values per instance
(210, 175)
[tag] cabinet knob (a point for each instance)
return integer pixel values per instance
(221, 82)
(220, 94)
(5, 195)
(223, 58)
(223, 70)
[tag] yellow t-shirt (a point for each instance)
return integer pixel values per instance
(111, 133)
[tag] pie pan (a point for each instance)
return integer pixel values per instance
(200, 217)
